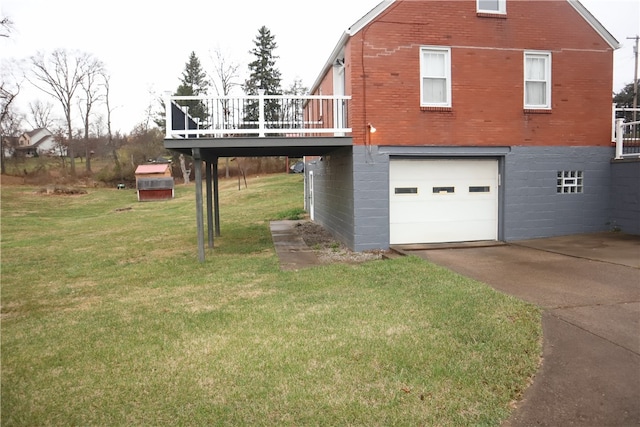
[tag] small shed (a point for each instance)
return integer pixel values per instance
(154, 182)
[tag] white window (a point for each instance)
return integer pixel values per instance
(492, 6)
(435, 75)
(537, 80)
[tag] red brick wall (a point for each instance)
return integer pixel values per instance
(487, 56)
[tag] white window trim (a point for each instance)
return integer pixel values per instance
(447, 50)
(502, 8)
(547, 56)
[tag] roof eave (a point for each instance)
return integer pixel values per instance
(353, 29)
(332, 59)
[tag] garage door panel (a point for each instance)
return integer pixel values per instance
(411, 233)
(464, 206)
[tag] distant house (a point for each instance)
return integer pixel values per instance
(154, 182)
(38, 142)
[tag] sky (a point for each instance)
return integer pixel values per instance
(145, 45)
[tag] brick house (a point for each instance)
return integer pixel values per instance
(471, 120)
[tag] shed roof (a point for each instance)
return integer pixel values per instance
(155, 168)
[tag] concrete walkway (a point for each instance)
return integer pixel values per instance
(293, 253)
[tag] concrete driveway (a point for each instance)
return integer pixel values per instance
(589, 288)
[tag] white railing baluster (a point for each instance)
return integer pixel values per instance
(230, 116)
(167, 114)
(261, 123)
(619, 138)
(626, 135)
(613, 122)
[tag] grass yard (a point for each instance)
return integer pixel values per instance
(109, 319)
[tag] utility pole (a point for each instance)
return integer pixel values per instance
(635, 77)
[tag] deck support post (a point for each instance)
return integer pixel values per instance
(197, 163)
(208, 167)
(216, 199)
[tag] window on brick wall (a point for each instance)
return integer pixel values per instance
(492, 6)
(537, 80)
(435, 76)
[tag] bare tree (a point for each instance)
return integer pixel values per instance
(185, 172)
(6, 27)
(226, 73)
(225, 79)
(110, 142)
(60, 144)
(9, 120)
(60, 75)
(149, 110)
(293, 111)
(89, 84)
(97, 126)
(41, 114)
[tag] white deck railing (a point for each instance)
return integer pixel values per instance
(626, 134)
(256, 115)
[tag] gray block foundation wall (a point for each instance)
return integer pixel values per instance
(625, 196)
(371, 200)
(351, 187)
(532, 207)
(352, 191)
(333, 193)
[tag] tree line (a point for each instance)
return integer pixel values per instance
(77, 85)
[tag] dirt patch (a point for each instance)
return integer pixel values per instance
(62, 190)
(330, 250)
(12, 180)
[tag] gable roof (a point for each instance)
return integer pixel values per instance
(43, 133)
(353, 29)
(154, 168)
(41, 140)
(382, 6)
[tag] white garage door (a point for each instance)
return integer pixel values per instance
(434, 201)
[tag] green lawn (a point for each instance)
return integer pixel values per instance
(108, 318)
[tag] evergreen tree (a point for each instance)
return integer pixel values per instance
(193, 82)
(263, 74)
